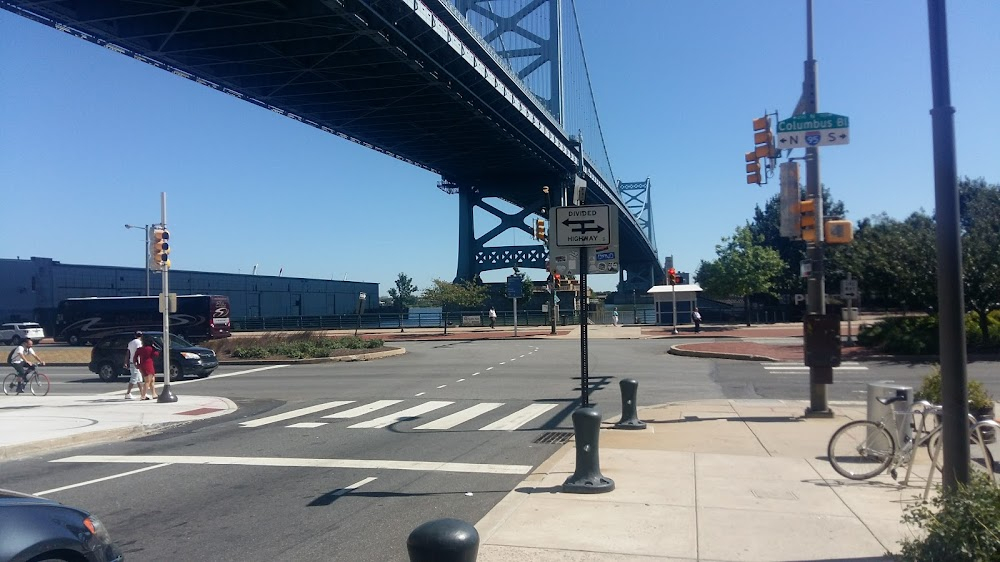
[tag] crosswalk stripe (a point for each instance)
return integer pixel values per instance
(463, 416)
(362, 410)
(295, 413)
(307, 425)
(402, 415)
(518, 418)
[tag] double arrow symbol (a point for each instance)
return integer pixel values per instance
(582, 226)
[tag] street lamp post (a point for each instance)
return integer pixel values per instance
(361, 304)
(145, 249)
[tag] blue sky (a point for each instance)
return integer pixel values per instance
(89, 139)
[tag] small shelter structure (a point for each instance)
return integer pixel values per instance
(663, 302)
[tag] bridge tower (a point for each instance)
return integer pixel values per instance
(527, 35)
(638, 200)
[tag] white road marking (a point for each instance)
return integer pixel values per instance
(420, 394)
(208, 378)
(95, 481)
(463, 416)
(301, 463)
(460, 380)
(522, 356)
(476, 373)
(409, 413)
(503, 362)
(354, 486)
(306, 425)
(442, 386)
(514, 358)
(489, 368)
(295, 413)
(362, 410)
(518, 418)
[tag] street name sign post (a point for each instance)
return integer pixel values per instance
(585, 229)
(810, 130)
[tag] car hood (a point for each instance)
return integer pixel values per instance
(10, 497)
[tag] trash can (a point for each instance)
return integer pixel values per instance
(899, 424)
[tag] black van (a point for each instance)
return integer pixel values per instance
(109, 356)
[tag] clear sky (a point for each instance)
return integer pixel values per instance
(89, 139)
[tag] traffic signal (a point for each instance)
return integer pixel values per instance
(672, 276)
(540, 229)
(807, 219)
(159, 249)
(557, 280)
(763, 140)
(838, 232)
(753, 168)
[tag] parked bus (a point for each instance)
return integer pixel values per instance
(198, 317)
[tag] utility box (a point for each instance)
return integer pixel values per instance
(849, 313)
(898, 424)
(822, 340)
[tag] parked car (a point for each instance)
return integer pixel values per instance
(109, 356)
(34, 528)
(12, 333)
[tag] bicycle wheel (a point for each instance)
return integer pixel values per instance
(861, 449)
(39, 384)
(10, 384)
(980, 460)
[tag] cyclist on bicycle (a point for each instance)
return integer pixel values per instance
(19, 360)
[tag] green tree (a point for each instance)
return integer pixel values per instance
(404, 293)
(979, 206)
(895, 261)
(467, 294)
(744, 267)
(766, 224)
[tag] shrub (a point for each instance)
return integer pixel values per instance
(963, 526)
(251, 352)
(294, 346)
(930, 390)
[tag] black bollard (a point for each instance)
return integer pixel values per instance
(443, 540)
(588, 478)
(630, 418)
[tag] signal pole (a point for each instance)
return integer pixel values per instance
(809, 103)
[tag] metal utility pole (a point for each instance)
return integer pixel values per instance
(809, 103)
(951, 300)
(145, 251)
(166, 395)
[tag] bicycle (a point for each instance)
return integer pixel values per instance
(863, 449)
(36, 382)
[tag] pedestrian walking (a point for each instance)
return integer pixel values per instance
(135, 375)
(696, 316)
(144, 361)
(614, 316)
(493, 318)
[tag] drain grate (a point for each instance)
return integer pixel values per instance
(554, 437)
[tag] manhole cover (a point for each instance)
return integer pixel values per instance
(554, 437)
(774, 494)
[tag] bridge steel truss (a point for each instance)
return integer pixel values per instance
(410, 78)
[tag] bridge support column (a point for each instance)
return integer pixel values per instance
(466, 235)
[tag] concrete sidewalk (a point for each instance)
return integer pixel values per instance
(36, 424)
(709, 480)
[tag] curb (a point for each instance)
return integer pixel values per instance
(9, 452)
(354, 357)
(676, 350)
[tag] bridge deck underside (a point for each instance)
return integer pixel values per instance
(367, 70)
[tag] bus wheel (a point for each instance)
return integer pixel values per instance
(74, 340)
(107, 372)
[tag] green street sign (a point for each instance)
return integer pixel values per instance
(811, 130)
(813, 122)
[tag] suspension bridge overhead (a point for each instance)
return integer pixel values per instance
(493, 96)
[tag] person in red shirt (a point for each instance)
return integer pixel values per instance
(144, 361)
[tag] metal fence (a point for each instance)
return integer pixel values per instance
(431, 320)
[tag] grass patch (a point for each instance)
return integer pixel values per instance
(301, 345)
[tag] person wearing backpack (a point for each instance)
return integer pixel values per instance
(18, 358)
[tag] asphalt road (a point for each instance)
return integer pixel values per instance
(446, 430)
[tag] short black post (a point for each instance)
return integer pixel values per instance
(630, 418)
(588, 478)
(443, 540)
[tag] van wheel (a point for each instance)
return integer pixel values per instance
(107, 372)
(175, 372)
(15, 340)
